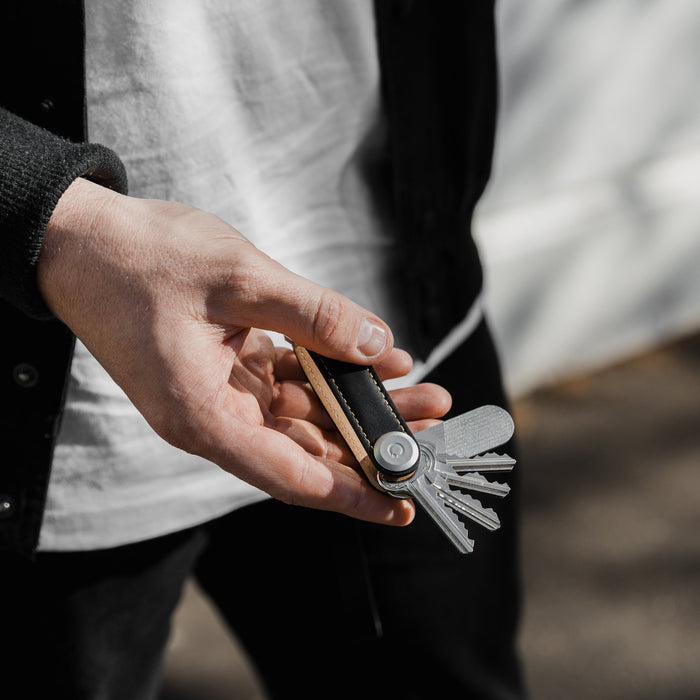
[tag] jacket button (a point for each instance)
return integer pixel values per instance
(25, 375)
(46, 104)
(7, 507)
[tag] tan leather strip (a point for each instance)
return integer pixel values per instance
(330, 403)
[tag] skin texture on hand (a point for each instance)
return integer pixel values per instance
(170, 300)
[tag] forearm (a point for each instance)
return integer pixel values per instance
(36, 167)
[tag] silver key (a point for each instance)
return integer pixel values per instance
(452, 456)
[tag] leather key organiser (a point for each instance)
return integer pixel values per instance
(439, 468)
(358, 404)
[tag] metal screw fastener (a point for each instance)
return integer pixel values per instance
(396, 452)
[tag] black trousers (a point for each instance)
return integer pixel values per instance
(327, 607)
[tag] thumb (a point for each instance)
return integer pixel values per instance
(320, 319)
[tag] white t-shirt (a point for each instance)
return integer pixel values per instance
(266, 114)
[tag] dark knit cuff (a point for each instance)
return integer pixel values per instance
(36, 168)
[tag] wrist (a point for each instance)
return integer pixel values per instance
(78, 216)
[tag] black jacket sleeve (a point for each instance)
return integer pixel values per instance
(36, 167)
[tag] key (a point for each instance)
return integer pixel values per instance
(477, 482)
(470, 434)
(435, 467)
(491, 462)
(445, 517)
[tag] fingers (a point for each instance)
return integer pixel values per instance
(328, 444)
(254, 368)
(287, 472)
(297, 400)
(396, 364)
(287, 366)
(313, 316)
(230, 432)
(415, 426)
(422, 401)
(317, 441)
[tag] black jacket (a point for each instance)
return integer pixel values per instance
(439, 89)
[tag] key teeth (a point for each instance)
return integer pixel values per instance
(487, 518)
(474, 481)
(424, 491)
(463, 504)
(489, 462)
(458, 522)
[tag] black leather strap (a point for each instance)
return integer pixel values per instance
(361, 402)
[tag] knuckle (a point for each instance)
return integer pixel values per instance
(328, 318)
(242, 285)
(308, 487)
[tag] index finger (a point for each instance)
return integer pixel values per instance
(397, 364)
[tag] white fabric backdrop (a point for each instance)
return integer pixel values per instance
(590, 228)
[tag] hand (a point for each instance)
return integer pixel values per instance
(165, 295)
(290, 406)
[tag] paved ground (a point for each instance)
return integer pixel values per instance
(611, 544)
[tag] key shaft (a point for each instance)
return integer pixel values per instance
(476, 482)
(453, 528)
